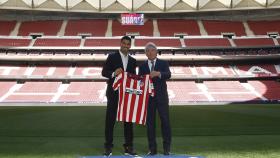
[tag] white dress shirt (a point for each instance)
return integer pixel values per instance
(124, 60)
(150, 64)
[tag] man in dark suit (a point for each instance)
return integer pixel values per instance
(159, 72)
(115, 64)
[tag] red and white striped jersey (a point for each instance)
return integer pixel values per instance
(134, 91)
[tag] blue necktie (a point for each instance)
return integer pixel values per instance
(153, 65)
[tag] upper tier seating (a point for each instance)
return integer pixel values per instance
(92, 27)
(102, 42)
(263, 27)
(218, 27)
(170, 42)
(46, 27)
(207, 42)
(6, 27)
(254, 42)
(57, 42)
(12, 42)
(168, 27)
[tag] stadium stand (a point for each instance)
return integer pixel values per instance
(218, 71)
(57, 42)
(185, 91)
(228, 91)
(213, 70)
(33, 70)
(143, 30)
(264, 27)
(253, 42)
(160, 42)
(214, 27)
(170, 27)
(269, 89)
(14, 42)
(6, 27)
(86, 27)
(257, 69)
(46, 27)
(85, 92)
(207, 42)
(180, 92)
(33, 92)
(5, 87)
(102, 42)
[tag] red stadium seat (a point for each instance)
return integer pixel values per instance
(169, 27)
(46, 27)
(207, 42)
(6, 27)
(254, 42)
(102, 42)
(14, 42)
(160, 42)
(57, 42)
(92, 27)
(264, 27)
(214, 27)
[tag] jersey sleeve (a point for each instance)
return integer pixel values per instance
(117, 81)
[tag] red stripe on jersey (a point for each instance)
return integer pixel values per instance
(125, 102)
(145, 112)
(132, 102)
(120, 102)
(151, 92)
(141, 101)
(144, 106)
(121, 96)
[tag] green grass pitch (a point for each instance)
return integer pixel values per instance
(213, 131)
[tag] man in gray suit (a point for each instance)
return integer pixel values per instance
(159, 72)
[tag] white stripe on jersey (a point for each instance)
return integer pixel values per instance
(136, 105)
(129, 101)
(144, 100)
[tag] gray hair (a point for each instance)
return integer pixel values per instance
(150, 45)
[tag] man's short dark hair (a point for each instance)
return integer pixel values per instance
(126, 38)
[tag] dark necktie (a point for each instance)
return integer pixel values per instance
(153, 65)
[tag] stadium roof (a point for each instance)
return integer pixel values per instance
(143, 6)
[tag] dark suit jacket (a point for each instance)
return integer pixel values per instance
(159, 83)
(113, 62)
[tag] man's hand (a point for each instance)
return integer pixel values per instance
(118, 71)
(155, 74)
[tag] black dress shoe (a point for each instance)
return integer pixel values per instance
(152, 153)
(129, 151)
(107, 152)
(166, 152)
